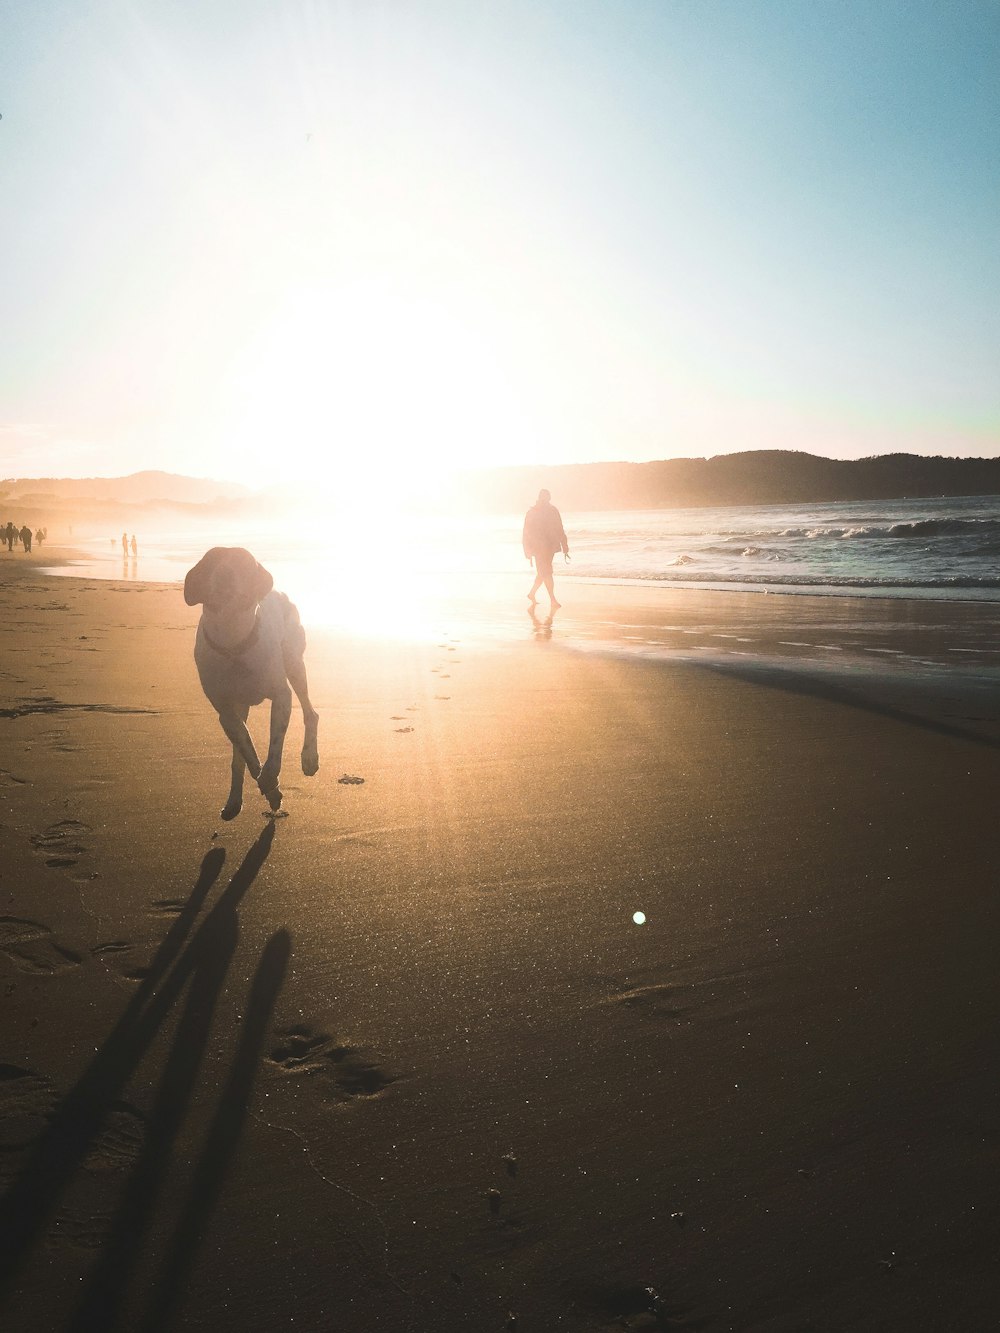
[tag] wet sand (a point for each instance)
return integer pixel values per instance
(404, 1059)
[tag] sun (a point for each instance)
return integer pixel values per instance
(359, 385)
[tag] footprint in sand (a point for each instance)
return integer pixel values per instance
(30, 947)
(634, 1306)
(79, 1229)
(11, 780)
(505, 1231)
(85, 1218)
(663, 1000)
(119, 1142)
(27, 1100)
(350, 780)
(57, 740)
(169, 906)
(341, 1072)
(678, 999)
(402, 730)
(442, 696)
(123, 950)
(61, 843)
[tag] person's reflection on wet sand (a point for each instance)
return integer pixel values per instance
(541, 626)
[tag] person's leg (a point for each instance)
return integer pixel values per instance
(545, 574)
(533, 595)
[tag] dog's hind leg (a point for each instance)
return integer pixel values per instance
(293, 647)
(295, 670)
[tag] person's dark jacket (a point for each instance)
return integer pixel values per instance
(543, 531)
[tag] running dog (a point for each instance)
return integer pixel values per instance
(250, 647)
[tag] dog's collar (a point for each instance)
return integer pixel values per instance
(238, 649)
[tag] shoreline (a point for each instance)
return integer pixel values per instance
(955, 635)
(927, 661)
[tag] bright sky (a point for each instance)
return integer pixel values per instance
(328, 239)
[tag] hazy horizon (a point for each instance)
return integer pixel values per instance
(267, 482)
(338, 241)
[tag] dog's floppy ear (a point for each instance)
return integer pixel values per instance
(198, 580)
(262, 583)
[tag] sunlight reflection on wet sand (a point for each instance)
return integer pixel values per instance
(398, 590)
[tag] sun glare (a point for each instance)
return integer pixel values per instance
(377, 597)
(384, 566)
(359, 385)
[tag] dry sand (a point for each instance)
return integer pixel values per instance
(404, 1061)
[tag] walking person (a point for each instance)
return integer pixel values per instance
(542, 537)
(25, 535)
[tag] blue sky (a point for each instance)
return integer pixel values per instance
(368, 238)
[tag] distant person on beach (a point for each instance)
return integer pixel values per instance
(135, 546)
(39, 536)
(125, 544)
(542, 537)
(10, 535)
(26, 538)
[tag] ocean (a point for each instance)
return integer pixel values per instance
(928, 548)
(939, 548)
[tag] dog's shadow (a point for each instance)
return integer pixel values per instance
(198, 964)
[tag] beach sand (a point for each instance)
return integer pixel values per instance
(403, 1060)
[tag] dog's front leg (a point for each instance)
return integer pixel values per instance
(281, 712)
(234, 724)
(234, 803)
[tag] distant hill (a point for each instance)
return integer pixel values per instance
(139, 488)
(765, 476)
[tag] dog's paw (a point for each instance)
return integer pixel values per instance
(268, 784)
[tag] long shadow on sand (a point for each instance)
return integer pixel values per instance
(60, 1150)
(817, 687)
